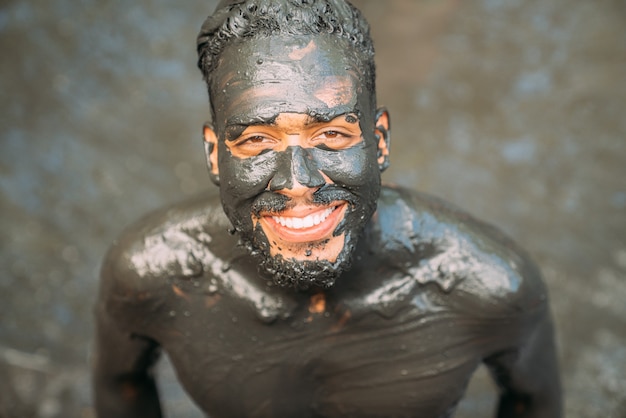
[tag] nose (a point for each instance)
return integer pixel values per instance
(297, 172)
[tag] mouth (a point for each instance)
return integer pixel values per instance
(306, 222)
(303, 224)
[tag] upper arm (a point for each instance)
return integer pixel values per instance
(120, 353)
(122, 300)
(123, 353)
(528, 375)
(524, 363)
(126, 299)
(137, 276)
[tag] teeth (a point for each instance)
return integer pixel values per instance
(306, 222)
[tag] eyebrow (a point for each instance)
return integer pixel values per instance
(235, 126)
(239, 121)
(318, 117)
(313, 118)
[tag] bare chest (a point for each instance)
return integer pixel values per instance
(321, 361)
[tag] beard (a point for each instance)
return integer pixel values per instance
(300, 274)
(304, 274)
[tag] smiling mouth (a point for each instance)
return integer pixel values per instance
(305, 222)
(311, 225)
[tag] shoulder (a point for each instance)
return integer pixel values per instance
(174, 242)
(471, 260)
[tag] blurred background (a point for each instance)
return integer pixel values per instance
(514, 110)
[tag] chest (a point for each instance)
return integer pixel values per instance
(321, 361)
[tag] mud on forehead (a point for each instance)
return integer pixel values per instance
(258, 79)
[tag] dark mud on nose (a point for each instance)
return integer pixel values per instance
(296, 163)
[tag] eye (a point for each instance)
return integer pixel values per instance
(251, 145)
(257, 139)
(254, 140)
(336, 139)
(332, 134)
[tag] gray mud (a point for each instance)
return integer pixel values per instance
(514, 110)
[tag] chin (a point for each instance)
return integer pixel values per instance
(301, 274)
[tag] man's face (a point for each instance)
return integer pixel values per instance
(297, 152)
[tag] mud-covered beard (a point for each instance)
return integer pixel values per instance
(300, 274)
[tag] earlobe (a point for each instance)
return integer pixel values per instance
(383, 136)
(210, 151)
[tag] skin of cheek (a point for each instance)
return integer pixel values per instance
(355, 170)
(242, 180)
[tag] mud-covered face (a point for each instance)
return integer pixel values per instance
(299, 150)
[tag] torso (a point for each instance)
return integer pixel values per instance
(398, 336)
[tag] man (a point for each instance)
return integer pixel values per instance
(331, 296)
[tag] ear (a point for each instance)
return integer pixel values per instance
(210, 151)
(383, 135)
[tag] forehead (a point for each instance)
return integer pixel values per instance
(258, 79)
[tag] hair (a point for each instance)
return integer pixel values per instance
(238, 20)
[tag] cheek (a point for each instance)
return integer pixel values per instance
(352, 168)
(243, 179)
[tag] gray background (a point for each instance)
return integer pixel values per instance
(514, 110)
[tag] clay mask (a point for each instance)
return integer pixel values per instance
(297, 153)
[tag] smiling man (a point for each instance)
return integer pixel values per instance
(332, 296)
(299, 139)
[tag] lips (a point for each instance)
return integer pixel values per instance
(301, 225)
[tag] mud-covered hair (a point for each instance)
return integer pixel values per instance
(237, 20)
